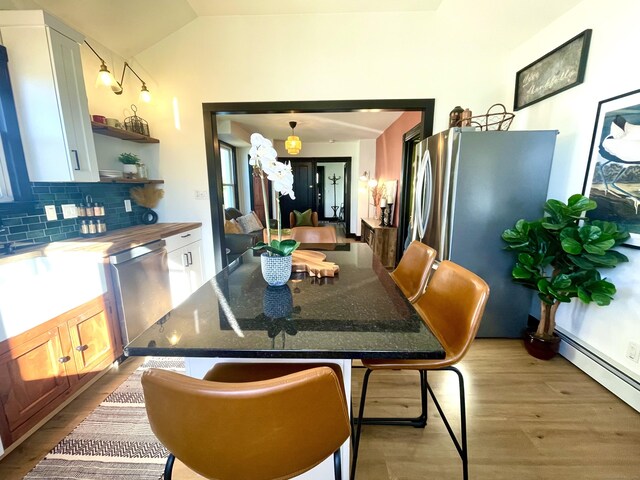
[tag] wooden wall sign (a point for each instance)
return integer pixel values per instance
(558, 70)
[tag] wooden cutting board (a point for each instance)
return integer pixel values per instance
(313, 263)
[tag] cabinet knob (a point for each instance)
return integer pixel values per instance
(82, 348)
(64, 359)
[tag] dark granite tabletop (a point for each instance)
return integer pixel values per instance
(360, 313)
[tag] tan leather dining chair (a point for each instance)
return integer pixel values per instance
(325, 234)
(413, 271)
(232, 426)
(452, 308)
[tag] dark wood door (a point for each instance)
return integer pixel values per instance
(257, 200)
(304, 186)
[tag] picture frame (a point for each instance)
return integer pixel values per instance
(612, 178)
(557, 71)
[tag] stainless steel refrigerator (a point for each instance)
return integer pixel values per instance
(468, 187)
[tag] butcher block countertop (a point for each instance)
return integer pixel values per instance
(109, 243)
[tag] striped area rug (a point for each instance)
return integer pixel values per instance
(114, 442)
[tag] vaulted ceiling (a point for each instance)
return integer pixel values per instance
(128, 27)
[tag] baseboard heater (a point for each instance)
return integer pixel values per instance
(616, 375)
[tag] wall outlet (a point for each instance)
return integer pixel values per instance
(69, 211)
(127, 205)
(633, 352)
(50, 211)
(201, 194)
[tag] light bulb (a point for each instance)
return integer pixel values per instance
(105, 79)
(145, 95)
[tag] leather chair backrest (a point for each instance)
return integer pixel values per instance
(325, 234)
(413, 271)
(263, 430)
(314, 219)
(453, 306)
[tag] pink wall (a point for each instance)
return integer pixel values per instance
(389, 150)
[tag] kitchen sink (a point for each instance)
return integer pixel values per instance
(35, 287)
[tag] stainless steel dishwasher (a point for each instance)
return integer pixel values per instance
(141, 280)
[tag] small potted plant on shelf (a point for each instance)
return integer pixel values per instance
(129, 164)
(559, 256)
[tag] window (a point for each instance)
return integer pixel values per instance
(229, 176)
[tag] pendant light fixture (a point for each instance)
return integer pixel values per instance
(293, 143)
(106, 79)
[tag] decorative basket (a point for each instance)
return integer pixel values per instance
(492, 120)
(136, 124)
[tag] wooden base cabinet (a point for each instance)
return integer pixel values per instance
(43, 367)
(382, 240)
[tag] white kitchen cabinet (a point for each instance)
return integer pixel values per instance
(51, 100)
(185, 264)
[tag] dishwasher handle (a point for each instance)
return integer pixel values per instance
(136, 252)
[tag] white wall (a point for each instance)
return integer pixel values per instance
(612, 69)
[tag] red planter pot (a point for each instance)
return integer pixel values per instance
(543, 349)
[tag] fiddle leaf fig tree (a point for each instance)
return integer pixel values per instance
(559, 256)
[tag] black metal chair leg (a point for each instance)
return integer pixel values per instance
(461, 446)
(356, 443)
(168, 467)
(337, 464)
(417, 422)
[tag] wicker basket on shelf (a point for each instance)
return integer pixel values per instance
(136, 124)
(496, 118)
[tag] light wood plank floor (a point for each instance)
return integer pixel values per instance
(528, 420)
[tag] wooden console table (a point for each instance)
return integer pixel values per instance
(382, 240)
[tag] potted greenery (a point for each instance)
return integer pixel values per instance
(559, 256)
(276, 261)
(129, 164)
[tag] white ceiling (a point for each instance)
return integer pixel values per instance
(316, 127)
(128, 27)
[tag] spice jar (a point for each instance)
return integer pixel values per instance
(92, 227)
(84, 228)
(101, 227)
(98, 210)
(82, 210)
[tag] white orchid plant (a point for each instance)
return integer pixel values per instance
(263, 158)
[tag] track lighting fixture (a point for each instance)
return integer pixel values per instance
(106, 79)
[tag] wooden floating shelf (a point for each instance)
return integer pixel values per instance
(122, 134)
(129, 180)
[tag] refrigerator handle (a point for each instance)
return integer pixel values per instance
(417, 195)
(423, 195)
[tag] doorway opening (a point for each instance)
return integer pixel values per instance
(214, 111)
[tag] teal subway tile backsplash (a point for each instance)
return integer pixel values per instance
(27, 222)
